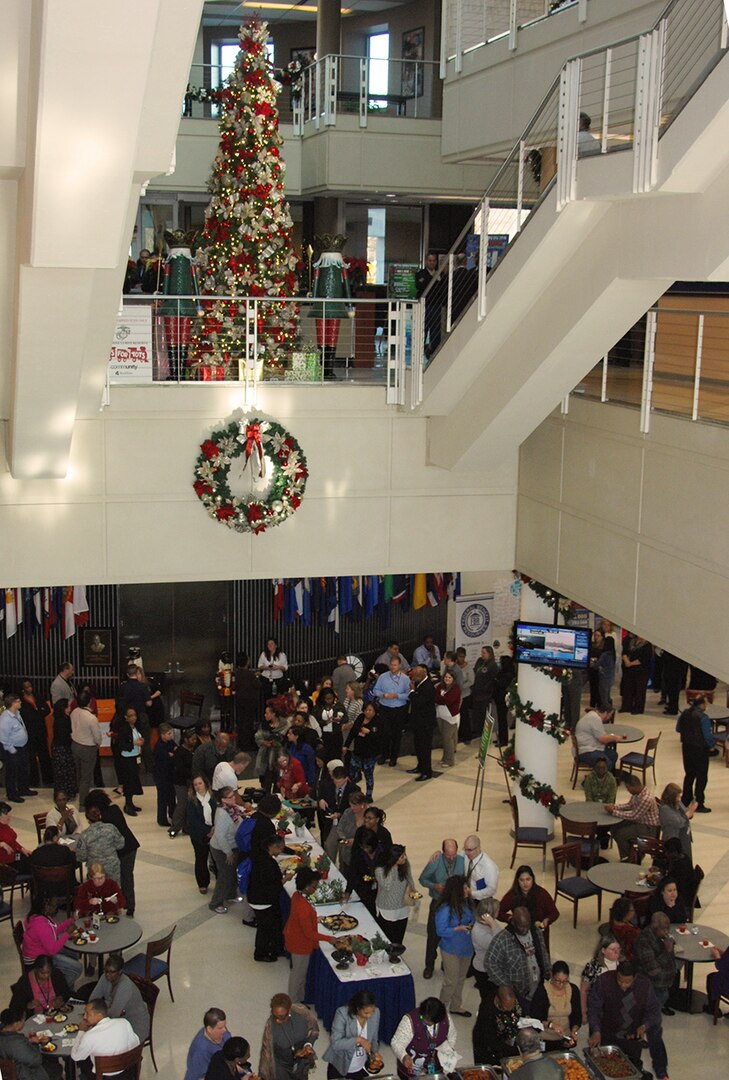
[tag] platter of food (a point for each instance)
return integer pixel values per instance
(339, 923)
(57, 1018)
(71, 1028)
(571, 1066)
(289, 863)
(477, 1072)
(610, 1062)
(48, 1047)
(297, 849)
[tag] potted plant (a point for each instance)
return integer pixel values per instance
(323, 864)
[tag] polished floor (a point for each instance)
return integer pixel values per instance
(212, 954)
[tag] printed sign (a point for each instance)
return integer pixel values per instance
(130, 359)
(401, 284)
(474, 624)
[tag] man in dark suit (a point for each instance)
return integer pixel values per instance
(422, 715)
(335, 792)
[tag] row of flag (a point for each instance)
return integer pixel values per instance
(64, 606)
(329, 599)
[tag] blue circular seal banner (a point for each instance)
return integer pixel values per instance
(475, 620)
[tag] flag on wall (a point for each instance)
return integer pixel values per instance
(345, 596)
(371, 591)
(80, 605)
(69, 623)
(420, 593)
(278, 597)
(11, 620)
(49, 612)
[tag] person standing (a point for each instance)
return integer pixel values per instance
(623, 1010)
(425, 1041)
(64, 768)
(272, 665)
(453, 921)
(395, 887)
(422, 716)
(442, 865)
(85, 743)
(637, 659)
(287, 1046)
(247, 699)
(433, 302)
(392, 691)
(518, 957)
(163, 754)
(448, 713)
(355, 1037)
(467, 677)
(210, 1038)
(224, 851)
(34, 712)
(199, 813)
(485, 671)
(363, 742)
(112, 815)
(301, 932)
(14, 741)
(697, 742)
(62, 686)
(343, 673)
(182, 778)
(130, 751)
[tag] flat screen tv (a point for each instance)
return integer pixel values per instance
(542, 645)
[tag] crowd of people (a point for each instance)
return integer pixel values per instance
(324, 749)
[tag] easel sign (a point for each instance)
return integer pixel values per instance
(483, 753)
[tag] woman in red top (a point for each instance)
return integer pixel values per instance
(12, 853)
(448, 712)
(100, 895)
(290, 777)
(622, 926)
(301, 933)
(526, 893)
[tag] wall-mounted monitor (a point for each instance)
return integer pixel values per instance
(562, 646)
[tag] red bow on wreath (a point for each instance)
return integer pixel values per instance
(254, 443)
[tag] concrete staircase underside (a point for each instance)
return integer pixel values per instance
(577, 280)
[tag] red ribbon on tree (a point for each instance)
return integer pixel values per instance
(254, 444)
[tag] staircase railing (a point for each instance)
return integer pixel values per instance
(621, 97)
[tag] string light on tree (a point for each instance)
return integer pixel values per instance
(247, 237)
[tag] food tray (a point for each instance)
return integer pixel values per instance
(627, 1070)
(474, 1072)
(570, 1055)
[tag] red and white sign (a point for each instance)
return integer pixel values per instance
(130, 359)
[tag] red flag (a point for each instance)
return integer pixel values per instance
(69, 623)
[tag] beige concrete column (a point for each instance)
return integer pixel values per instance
(328, 28)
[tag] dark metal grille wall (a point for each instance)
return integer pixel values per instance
(37, 659)
(312, 650)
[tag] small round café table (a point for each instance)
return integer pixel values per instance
(619, 877)
(110, 937)
(632, 734)
(691, 950)
(587, 813)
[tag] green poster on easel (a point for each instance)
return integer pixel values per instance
(483, 749)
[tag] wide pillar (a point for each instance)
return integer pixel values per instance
(536, 751)
(328, 28)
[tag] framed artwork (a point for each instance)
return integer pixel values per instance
(413, 71)
(305, 56)
(97, 647)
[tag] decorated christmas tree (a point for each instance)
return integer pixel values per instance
(247, 238)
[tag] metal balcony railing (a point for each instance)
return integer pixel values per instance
(675, 360)
(334, 86)
(175, 340)
(611, 99)
(467, 25)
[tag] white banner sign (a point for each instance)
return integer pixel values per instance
(130, 359)
(474, 624)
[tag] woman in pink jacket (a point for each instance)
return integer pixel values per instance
(43, 936)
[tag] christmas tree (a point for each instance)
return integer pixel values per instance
(247, 236)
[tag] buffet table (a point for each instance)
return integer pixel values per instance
(327, 987)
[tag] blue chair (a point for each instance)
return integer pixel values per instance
(147, 966)
(524, 836)
(574, 888)
(642, 762)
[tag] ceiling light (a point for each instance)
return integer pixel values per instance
(287, 7)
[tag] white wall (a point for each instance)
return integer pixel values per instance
(632, 525)
(127, 511)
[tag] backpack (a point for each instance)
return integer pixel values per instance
(243, 835)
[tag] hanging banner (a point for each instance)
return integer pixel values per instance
(474, 624)
(130, 359)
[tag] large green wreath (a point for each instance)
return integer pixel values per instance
(263, 442)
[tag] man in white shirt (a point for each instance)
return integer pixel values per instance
(482, 873)
(226, 773)
(101, 1036)
(593, 738)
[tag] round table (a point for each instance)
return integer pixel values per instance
(690, 950)
(618, 877)
(631, 734)
(111, 937)
(74, 1014)
(587, 813)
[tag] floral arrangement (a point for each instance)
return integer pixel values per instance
(263, 443)
(329, 892)
(322, 864)
(529, 786)
(549, 723)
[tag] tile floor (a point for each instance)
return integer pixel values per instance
(212, 954)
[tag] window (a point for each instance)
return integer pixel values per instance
(222, 59)
(378, 51)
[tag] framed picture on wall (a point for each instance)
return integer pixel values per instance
(305, 57)
(413, 70)
(97, 647)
